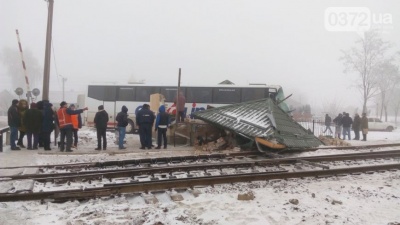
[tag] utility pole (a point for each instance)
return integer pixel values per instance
(63, 86)
(177, 97)
(46, 73)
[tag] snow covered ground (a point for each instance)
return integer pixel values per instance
(362, 199)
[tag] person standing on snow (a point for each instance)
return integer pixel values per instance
(162, 124)
(33, 123)
(328, 121)
(13, 122)
(22, 107)
(47, 123)
(364, 126)
(356, 126)
(122, 122)
(100, 121)
(65, 124)
(338, 125)
(145, 120)
(77, 124)
(346, 122)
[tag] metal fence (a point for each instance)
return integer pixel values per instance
(317, 127)
(3, 132)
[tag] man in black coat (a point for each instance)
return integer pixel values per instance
(100, 120)
(145, 120)
(48, 118)
(328, 121)
(33, 123)
(122, 122)
(13, 122)
(346, 122)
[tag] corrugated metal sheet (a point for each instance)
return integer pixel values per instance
(261, 118)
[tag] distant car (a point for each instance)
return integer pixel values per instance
(377, 124)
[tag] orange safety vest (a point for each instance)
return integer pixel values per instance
(64, 118)
(74, 120)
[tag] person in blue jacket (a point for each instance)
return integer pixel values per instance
(145, 120)
(162, 124)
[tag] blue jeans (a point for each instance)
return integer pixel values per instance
(13, 136)
(121, 131)
(346, 130)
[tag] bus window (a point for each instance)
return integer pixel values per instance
(96, 92)
(102, 93)
(226, 95)
(199, 94)
(126, 94)
(250, 94)
(110, 93)
(143, 93)
(170, 93)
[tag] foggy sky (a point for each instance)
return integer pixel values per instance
(275, 42)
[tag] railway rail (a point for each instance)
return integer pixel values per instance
(275, 171)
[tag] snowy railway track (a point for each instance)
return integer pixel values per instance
(168, 165)
(91, 184)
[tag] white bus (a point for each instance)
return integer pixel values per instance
(133, 96)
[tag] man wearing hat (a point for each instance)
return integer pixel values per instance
(13, 122)
(65, 124)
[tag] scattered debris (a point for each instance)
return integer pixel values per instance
(327, 140)
(294, 201)
(246, 196)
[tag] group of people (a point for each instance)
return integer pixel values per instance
(39, 120)
(344, 123)
(34, 121)
(145, 119)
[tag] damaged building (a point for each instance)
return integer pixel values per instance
(261, 123)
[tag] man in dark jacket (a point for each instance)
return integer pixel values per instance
(13, 122)
(346, 122)
(47, 123)
(145, 120)
(122, 122)
(356, 126)
(328, 121)
(162, 124)
(100, 121)
(33, 123)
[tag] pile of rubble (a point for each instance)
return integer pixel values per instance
(328, 140)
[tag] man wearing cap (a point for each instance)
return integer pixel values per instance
(13, 122)
(65, 123)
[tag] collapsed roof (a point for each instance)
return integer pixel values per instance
(262, 121)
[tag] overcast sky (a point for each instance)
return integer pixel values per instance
(275, 42)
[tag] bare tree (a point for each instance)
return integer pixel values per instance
(388, 77)
(332, 107)
(363, 59)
